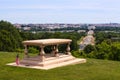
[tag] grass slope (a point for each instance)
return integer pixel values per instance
(92, 70)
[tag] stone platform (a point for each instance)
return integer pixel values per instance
(49, 62)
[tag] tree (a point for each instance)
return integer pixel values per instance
(10, 38)
(89, 48)
(115, 49)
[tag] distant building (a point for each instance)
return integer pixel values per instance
(90, 32)
(26, 28)
(18, 26)
(79, 31)
(91, 27)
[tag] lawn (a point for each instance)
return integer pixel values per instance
(94, 69)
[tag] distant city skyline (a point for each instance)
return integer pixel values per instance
(60, 11)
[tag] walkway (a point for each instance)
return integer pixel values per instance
(89, 39)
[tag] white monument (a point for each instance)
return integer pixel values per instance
(48, 61)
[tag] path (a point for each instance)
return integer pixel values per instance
(89, 39)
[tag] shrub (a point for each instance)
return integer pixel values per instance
(19, 50)
(89, 48)
(78, 54)
(33, 50)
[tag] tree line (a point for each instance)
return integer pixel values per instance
(11, 38)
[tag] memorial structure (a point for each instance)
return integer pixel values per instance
(51, 60)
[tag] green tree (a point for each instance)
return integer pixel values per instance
(10, 38)
(115, 49)
(89, 48)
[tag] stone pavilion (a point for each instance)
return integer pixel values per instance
(51, 60)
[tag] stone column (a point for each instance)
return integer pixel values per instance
(26, 51)
(68, 49)
(42, 53)
(56, 51)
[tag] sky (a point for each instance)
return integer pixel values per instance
(60, 11)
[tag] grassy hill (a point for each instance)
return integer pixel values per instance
(94, 69)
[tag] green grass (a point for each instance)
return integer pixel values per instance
(92, 70)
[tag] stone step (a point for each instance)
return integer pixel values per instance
(48, 62)
(53, 58)
(75, 61)
(56, 61)
(28, 63)
(37, 58)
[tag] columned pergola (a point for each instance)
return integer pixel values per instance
(42, 43)
(48, 61)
